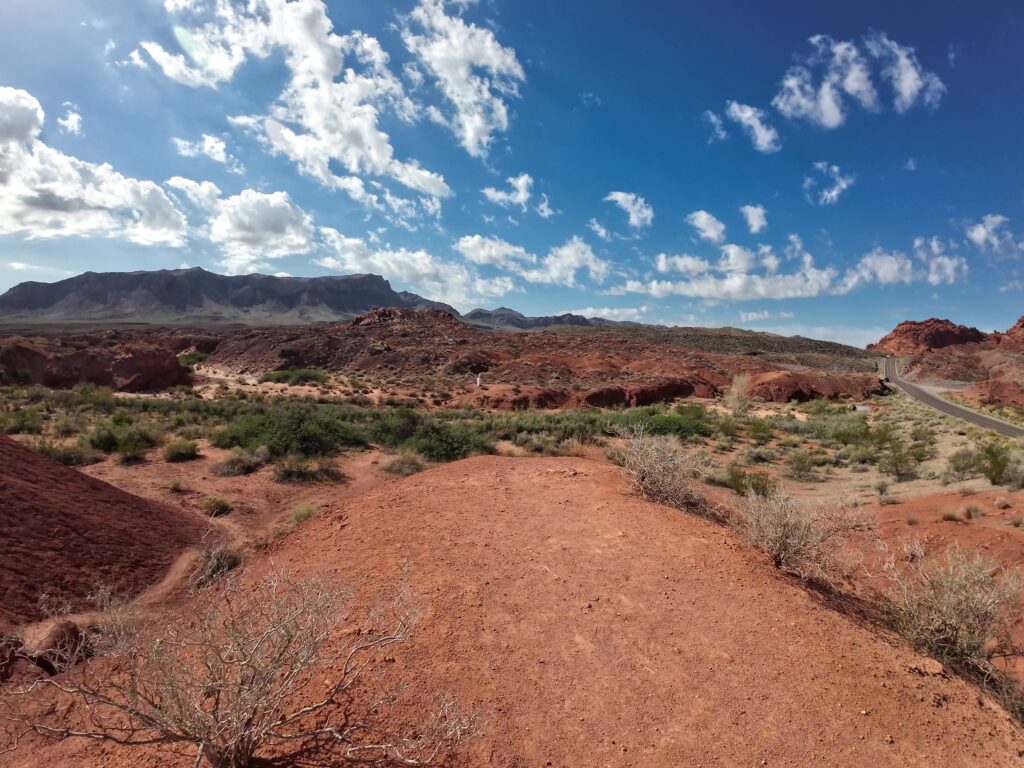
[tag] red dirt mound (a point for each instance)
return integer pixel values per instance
(120, 364)
(65, 533)
(787, 386)
(912, 337)
(997, 392)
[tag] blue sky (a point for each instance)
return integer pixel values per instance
(793, 167)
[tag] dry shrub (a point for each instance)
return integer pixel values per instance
(661, 471)
(737, 399)
(245, 668)
(812, 540)
(960, 607)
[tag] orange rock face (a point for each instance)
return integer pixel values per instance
(912, 337)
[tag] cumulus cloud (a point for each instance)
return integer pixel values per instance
(993, 233)
(757, 219)
(640, 213)
(707, 226)
(829, 186)
(328, 116)
(631, 314)
(755, 123)
(434, 278)
(472, 70)
(820, 87)
(494, 251)
(253, 226)
(736, 258)
(212, 147)
(72, 121)
(518, 193)
(685, 263)
(46, 194)
(877, 266)
(943, 268)
(563, 263)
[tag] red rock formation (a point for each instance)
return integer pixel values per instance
(998, 392)
(912, 337)
(786, 386)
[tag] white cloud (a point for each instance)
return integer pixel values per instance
(328, 115)
(757, 220)
(807, 282)
(562, 264)
(707, 226)
(764, 314)
(685, 263)
(205, 195)
(714, 121)
(854, 336)
(434, 278)
(818, 88)
(736, 258)
(45, 193)
(599, 229)
(544, 209)
(908, 78)
(1013, 285)
(831, 186)
(640, 213)
(212, 147)
(631, 314)
(877, 266)
(21, 266)
(71, 122)
(910, 164)
(943, 268)
(517, 194)
(474, 72)
(252, 226)
(993, 232)
(753, 120)
(493, 250)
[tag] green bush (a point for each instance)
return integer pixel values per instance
(295, 376)
(404, 465)
(744, 483)
(394, 428)
(802, 465)
(293, 428)
(181, 450)
(993, 461)
(302, 514)
(898, 461)
(240, 462)
(68, 455)
(760, 430)
(189, 360)
(24, 421)
(962, 464)
(438, 441)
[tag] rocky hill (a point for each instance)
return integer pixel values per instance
(912, 337)
(504, 318)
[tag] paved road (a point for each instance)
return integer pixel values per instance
(952, 409)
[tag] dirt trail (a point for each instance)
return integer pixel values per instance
(590, 628)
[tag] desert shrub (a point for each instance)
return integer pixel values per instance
(110, 437)
(24, 421)
(960, 607)
(962, 464)
(802, 465)
(993, 461)
(760, 430)
(394, 428)
(296, 469)
(240, 462)
(661, 471)
(189, 360)
(682, 425)
(67, 426)
(303, 513)
(737, 398)
(181, 450)
(759, 454)
(1002, 503)
(293, 428)
(68, 455)
(440, 441)
(243, 669)
(954, 516)
(214, 563)
(404, 464)
(295, 376)
(727, 426)
(843, 426)
(811, 540)
(897, 460)
(216, 506)
(744, 483)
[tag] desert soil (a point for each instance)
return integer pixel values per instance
(588, 627)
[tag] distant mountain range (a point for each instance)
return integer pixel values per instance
(197, 297)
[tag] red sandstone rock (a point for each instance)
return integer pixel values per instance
(912, 337)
